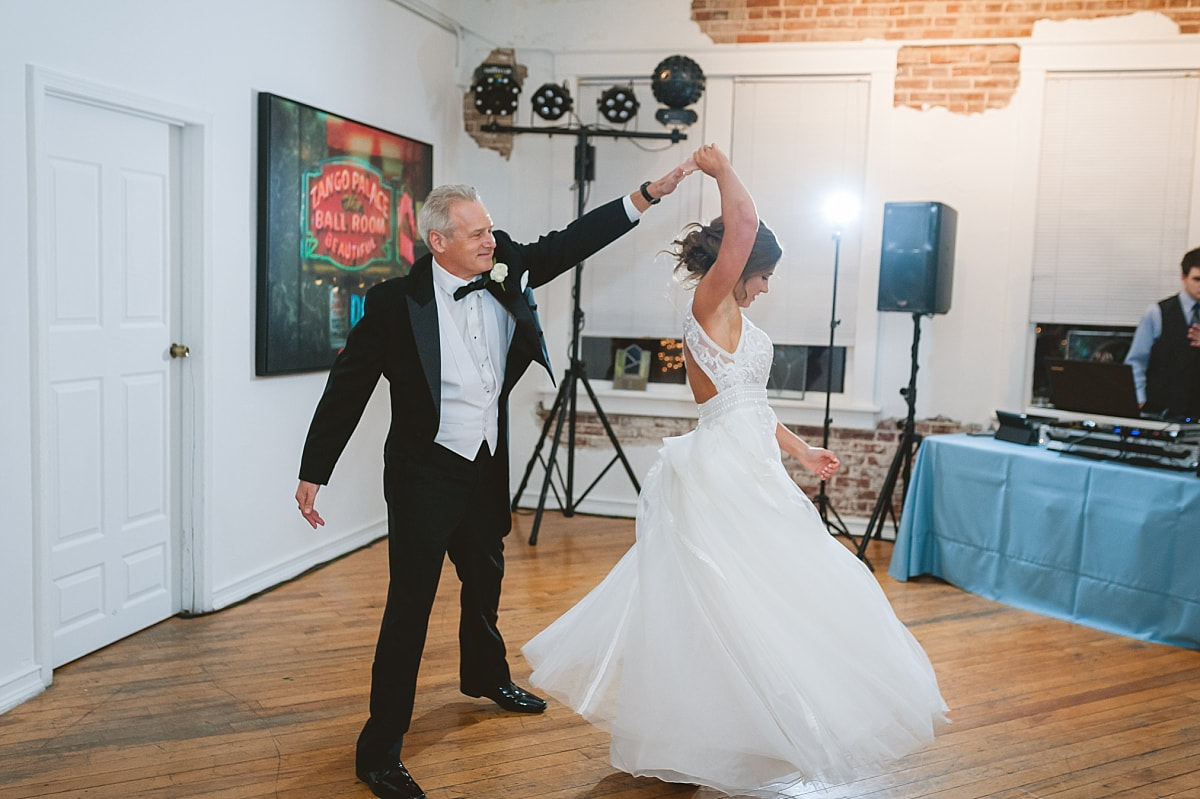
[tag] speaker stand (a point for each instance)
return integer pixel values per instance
(901, 462)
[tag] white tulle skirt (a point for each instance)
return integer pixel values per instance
(737, 645)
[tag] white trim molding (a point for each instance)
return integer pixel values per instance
(294, 567)
(20, 687)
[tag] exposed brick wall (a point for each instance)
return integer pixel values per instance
(961, 78)
(866, 455)
(752, 21)
(474, 121)
(967, 79)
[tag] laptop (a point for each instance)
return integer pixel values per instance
(1104, 388)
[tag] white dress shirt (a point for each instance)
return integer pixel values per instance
(475, 334)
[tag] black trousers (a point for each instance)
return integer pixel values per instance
(446, 505)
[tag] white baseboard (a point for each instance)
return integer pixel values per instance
(619, 508)
(627, 509)
(20, 687)
(282, 572)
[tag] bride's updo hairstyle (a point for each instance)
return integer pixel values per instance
(696, 250)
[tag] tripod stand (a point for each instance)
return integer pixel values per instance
(563, 411)
(821, 500)
(902, 461)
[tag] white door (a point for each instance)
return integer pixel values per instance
(107, 410)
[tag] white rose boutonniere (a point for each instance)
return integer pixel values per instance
(499, 273)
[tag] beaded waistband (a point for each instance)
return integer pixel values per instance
(731, 398)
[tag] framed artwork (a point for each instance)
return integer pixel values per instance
(631, 369)
(337, 210)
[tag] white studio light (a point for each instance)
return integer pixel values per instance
(841, 209)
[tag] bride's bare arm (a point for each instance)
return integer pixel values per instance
(820, 461)
(741, 226)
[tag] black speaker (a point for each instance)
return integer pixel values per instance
(916, 268)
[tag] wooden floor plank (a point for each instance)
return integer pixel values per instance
(265, 699)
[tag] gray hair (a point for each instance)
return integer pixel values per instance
(435, 213)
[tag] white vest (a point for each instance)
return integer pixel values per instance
(475, 333)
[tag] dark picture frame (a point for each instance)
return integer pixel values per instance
(337, 206)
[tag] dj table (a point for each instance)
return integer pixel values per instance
(1101, 543)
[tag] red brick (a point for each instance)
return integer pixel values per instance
(950, 85)
(913, 55)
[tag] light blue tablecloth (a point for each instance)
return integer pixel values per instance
(1103, 544)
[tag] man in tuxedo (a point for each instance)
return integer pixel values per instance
(1165, 352)
(452, 338)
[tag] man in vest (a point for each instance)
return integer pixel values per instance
(1165, 353)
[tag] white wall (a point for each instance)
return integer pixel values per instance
(371, 60)
(968, 367)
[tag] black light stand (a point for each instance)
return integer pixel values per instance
(564, 409)
(902, 461)
(821, 500)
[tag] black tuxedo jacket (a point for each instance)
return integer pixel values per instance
(397, 337)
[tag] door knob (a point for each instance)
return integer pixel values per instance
(179, 351)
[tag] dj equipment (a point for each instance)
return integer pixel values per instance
(1105, 388)
(1175, 447)
(1020, 428)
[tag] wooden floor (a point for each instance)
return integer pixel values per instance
(265, 699)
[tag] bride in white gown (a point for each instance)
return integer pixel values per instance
(737, 644)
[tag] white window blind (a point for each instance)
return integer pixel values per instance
(627, 287)
(1113, 196)
(796, 141)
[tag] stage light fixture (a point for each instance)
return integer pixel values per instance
(551, 101)
(496, 88)
(677, 82)
(618, 104)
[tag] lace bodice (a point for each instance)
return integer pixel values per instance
(748, 365)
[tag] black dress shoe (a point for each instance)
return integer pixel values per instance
(392, 781)
(512, 697)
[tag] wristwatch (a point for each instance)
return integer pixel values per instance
(646, 194)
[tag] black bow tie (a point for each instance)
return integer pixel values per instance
(474, 285)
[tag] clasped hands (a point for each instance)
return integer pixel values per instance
(708, 159)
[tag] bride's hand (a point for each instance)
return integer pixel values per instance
(710, 160)
(820, 462)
